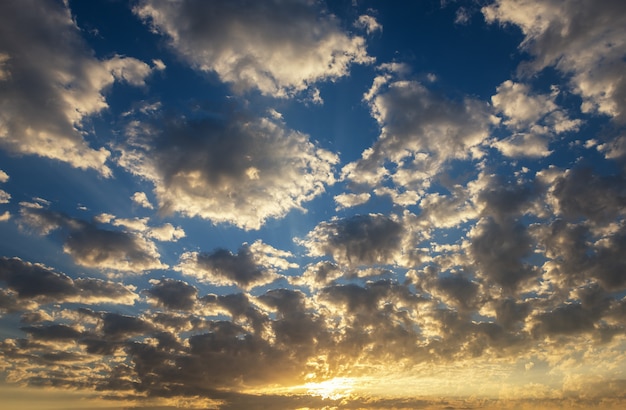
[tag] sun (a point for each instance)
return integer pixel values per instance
(334, 389)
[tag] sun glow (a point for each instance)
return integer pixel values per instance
(334, 389)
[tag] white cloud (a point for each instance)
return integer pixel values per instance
(51, 83)
(4, 177)
(584, 39)
(347, 200)
(523, 145)
(532, 117)
(164, 233)
(420, 131)
(5, 197)
(276, 47)
(236, 170)
(5, 216)
(368, 23)
(141, 199)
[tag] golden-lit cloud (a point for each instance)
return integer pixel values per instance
(276, 222)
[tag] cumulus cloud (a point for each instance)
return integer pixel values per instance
(347, 200)
(579, 192)
(166, 232)
(252, 265)
(358, 240)
(279, 48)
(318, 275)
(39, 283)
(173, 294)
(51, 83)
(533, 118)
(582, 39)
(141, 199)
(104, 249)
(420, 131)
(498, 251)
(232, 169)
(368, 23)
(92, 246)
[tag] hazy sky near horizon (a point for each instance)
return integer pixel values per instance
(309, 204)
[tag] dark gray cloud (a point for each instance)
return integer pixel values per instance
(53, 332)
(510, 312)
(39, 283)
(577, 254)
(173, 294)
(247, 268)
(581, 193)
(115, 326)
(92, 246)
(498, 251)
(358, 240)
(567, 319)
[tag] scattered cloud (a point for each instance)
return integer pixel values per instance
(582, 40)
(486, 261)
(38, 283)
(275, 47)
(231, 169)
(252, 265)
(52, 84)
(533, 120)
(368, 23)
(141, 199)
(92, 246)
(421, 130)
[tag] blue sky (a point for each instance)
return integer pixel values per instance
(312, 204)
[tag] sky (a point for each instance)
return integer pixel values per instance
(309, 204)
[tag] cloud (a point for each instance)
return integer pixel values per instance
(39, 283)
(117, 327)
(51, 84)
(420, 131)
(173, 294)
(253, 265)
(4, 177)
(164, 233)
(5, 197)
(533, 118)
(117, 250)
(276, 47)
(141, 199)
(347, 200)
(94, 247)
(579, 192)
(581, 39)
(368, 23)
(498, 251)
(358, 240)
(230, 168)
(318, 275)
